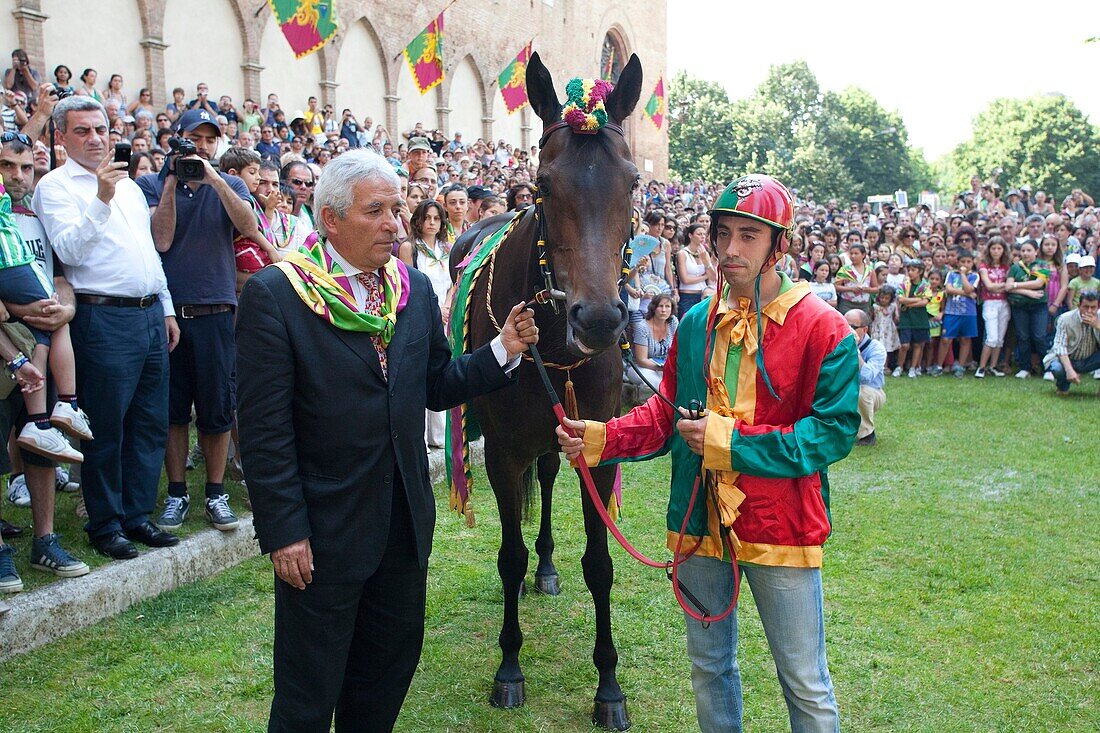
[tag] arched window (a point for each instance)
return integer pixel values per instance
(612, 58)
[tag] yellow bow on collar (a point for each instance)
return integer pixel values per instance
(742, 323)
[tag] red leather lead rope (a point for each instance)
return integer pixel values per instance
(682, 593)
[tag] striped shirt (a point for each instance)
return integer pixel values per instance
(1073, 338)
(13, 250)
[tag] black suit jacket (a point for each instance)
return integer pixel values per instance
(322, 433)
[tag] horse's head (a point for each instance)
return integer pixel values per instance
(586, 181)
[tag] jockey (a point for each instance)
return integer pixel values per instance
(778, 372)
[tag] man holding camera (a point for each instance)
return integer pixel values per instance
(98, 224)
(195, 210)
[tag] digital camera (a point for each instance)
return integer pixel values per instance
(183, 168)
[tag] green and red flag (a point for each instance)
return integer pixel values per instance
(513, 80)
(307, 24)
(655, 108)
(425, 56)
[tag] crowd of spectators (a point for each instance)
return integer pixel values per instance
(147, 283)
(941, 287)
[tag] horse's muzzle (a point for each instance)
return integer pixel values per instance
(594, 327)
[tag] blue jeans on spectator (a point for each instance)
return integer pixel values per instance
(1030, 323)
(789, 601)
(1083, 367)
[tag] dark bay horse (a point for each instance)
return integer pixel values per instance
(585, 182)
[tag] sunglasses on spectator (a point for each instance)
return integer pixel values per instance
(907, 235)
(300, 182)
(7, 137)
(965, 239)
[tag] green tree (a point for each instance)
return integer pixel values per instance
(842, 145)
(700, 115)
(1045, 141)
(871, 144)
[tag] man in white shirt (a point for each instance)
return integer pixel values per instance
(99, 225)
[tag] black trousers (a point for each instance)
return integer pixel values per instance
(351, 648)
(123, 386)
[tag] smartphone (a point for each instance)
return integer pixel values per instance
(122, 153)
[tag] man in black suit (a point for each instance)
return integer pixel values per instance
(331, 419)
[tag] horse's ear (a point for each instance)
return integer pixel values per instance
(540, 91)
(624, 98)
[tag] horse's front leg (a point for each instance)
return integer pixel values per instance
(546, 575)
(506, 480)
(610, 703)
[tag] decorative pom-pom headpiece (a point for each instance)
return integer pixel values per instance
(584, 106)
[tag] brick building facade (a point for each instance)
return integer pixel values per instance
(235, 46)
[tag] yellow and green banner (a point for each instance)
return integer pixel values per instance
(513, 81)
(425, 56)
(655, 107)
(306, 24)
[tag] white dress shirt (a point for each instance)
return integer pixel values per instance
(105, 250)
(359, 292)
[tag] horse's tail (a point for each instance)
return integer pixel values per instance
(527, 491)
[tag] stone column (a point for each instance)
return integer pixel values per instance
(153, 51)
(487, 127)
(328, 92)
(29, 19)
(390, 116)
(525, 127)
(443, 119)
(252, 89)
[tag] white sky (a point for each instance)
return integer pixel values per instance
(906, 54)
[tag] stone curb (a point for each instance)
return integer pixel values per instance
(51, 612)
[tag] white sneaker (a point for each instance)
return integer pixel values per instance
(1096, 374)
(1048, 376)
(63, 481)
(912, 373)
(897, 372)
(1023, 374)
(50, 443)
(71, 422)
(18, 493)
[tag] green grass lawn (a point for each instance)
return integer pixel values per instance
(960, 589)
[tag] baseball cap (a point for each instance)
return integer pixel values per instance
(476, 193)
(419, 143)
(1087, 261)
(193, 118)
(1073, 259)
(298, 115)
(128, 119)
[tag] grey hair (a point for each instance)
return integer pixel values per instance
(334, 188)
(75, 104)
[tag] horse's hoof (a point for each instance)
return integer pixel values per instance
(508, 694)
(548, 584)
(611, 715)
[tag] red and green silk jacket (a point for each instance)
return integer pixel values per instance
(766, 459)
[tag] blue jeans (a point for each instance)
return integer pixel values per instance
(1084, 367)
(789, 601)
(1030, 322)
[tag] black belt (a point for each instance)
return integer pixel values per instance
(142, 302)
(195, 311)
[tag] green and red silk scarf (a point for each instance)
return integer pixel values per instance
(326, 290)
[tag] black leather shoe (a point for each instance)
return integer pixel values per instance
(9, 531)
(152, 535)
(114, 545)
